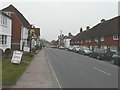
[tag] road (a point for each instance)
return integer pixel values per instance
(72, 70)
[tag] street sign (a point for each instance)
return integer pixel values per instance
(17, 56)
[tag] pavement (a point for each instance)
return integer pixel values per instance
(37, 74)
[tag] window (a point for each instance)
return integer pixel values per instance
(96, 39)
(115, 37)
(102, 38)
(89, 40)
(3, 20)
(4, 39)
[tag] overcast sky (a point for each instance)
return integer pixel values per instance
(68, 16)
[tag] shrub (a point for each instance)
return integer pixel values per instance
(8, 51)
(1, 52)
(28, 54)
(33, 50)
(37, 47)
(40, 47)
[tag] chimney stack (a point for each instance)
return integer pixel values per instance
(88, 27)
(69, 34)
(103, 20)
(81, 29)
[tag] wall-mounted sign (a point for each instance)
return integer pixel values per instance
(17, 56)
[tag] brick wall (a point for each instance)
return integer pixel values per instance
(16, 31)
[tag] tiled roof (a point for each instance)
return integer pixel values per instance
(23, 20)
(105, 28)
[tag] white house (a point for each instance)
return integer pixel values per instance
(5, 31)
(66, 39)
(24, 37)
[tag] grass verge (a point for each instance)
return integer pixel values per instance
(12, 72)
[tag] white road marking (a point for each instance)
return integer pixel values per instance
(54, 75)
(102, 71)
(53, 70)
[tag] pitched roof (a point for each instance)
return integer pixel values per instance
(5, 14)
(23, 20)
(105, 28)
(68, 37)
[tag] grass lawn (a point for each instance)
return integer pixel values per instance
(11, 72)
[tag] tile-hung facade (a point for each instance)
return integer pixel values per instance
(20, 28)
(104, 35)
(5, 31)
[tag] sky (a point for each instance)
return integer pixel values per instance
(53, 16)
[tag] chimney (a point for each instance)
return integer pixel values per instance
(81, 29)
(62, 35)
(88, 27)
(103, 20)
(69, 34)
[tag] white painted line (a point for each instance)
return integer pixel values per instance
(54, 75)
(102, 71)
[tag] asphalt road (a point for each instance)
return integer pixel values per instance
(73, 70)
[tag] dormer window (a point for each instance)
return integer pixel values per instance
(115, 37)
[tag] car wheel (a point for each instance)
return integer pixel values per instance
(113, 61)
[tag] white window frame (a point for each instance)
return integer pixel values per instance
(89, 40)
(96, 39)
(115, 37)
(3, 20)
(102, 38)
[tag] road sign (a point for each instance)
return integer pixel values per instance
(17, 56)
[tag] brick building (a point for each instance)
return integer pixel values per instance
(103, 35)
(20, 28)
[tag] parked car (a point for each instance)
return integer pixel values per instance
(62, 47)
(76, 49)
(116, 58)
(70, 48)
(102, 54)
(85, 51)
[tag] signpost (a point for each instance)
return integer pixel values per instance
(17, 56)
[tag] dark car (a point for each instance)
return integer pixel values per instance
(116, 58)
(102, 54)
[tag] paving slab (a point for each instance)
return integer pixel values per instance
(37, 74)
